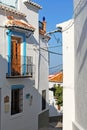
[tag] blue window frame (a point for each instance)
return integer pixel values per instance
(9, 34)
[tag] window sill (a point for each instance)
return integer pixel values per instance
(18, 115)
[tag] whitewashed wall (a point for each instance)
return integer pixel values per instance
(68, 74)
(28, 119)
(53, 108)
(32, 17)
(43, 66)
(80, 64)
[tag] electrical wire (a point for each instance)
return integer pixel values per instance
(72, 21)
(57, 39)
(55, 46)
(67, 27)
(55, 66)
(51, 51)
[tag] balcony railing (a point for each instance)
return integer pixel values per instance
(20, 66)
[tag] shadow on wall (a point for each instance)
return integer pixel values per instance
(31, 108)
(78, 10)
(3, 68)
(81, 44)
(81, 65)
(80, 6)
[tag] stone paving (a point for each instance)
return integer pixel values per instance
(53, 126)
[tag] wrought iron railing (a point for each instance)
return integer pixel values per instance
(20, 66)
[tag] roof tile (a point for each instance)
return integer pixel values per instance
(56, 77)
(11, 22)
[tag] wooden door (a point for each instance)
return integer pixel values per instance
(15, 55)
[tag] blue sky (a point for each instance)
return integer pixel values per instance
(55, 11)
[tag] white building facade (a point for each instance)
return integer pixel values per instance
(74, 68)
(23, 90)
(68, 73)
(80, 17)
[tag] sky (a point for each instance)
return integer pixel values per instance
(55, 12)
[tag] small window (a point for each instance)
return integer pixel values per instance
(12, 3)
(16, 101)
(43, 99)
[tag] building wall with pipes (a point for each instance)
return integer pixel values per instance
(28, 86)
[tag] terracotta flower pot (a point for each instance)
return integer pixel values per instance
(58, 107)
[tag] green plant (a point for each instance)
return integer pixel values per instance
(59, 95)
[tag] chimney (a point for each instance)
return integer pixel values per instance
(44, 24)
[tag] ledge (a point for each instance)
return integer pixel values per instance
(32, 3)
(18, 76)
(10, 9)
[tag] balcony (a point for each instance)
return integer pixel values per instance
(20, 67)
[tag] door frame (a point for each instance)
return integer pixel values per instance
(23, 36)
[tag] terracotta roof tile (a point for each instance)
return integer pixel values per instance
(11, 22)
(57, 77)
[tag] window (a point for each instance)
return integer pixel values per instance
(12, 3)
(43, 99)
(16, 100)
(29, 67)
(19, 65)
